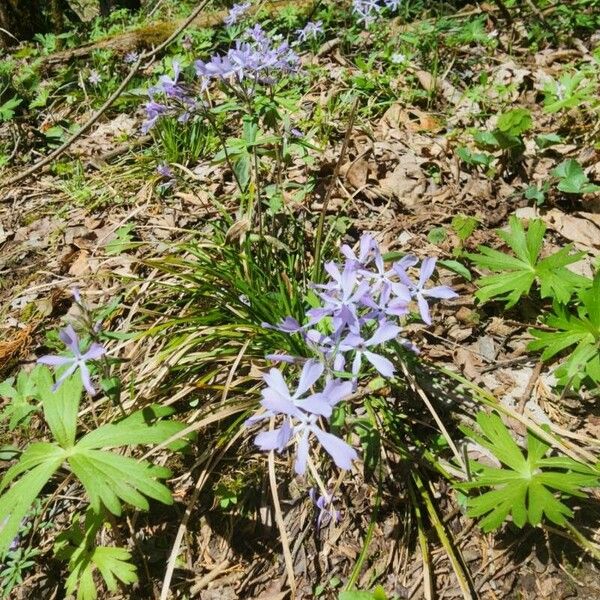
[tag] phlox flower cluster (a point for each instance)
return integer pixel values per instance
(367, 11)
(256, 59)
(361, 311)
(236, 12)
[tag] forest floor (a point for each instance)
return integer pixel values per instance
(400, 134)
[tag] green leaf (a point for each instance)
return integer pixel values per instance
(25, 389)
(78, 546)
(43, 460)
(525, 488)
(464, 226)
(141, 428)
(123, 241)
(109, 479)
(572, 178)
(515, 122)
(7, 110)
(515, 275)
(581, 330)
(457, 267)
(355, 595)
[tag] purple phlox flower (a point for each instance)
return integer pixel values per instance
(366, 244)
(385, 332)
(169, 86)
(392, 5)
(300, 414)
(236, 12)
(311, 30)
(328, 347)
(76, 294)
(257, 35)
(164, 171)
(327, 512)
(391, 301)
(296, 133)
(366, 10)
(94, 77)
(249, 62)
(418, 290)
(340, 297)
(131, 57)
(287, 325)
(78, 361)
(154, 111)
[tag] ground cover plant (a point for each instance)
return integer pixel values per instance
(300, 300)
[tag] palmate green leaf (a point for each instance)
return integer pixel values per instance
(525, 488)
(109, 479)
(515, 275)
(581, 330)
(78, 546)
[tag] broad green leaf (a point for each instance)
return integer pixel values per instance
(109, 479)
(515, 275)
(61, 407)
(572, 178)
(77, 545)
(525, 488)
(515, 122)
(581, 330)
(17, 501)
(141, 428)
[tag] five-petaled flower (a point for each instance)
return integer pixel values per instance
(301, 414)
(78, 361)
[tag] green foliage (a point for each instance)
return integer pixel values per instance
(15, 563)
(7, 110)
(572, 179)
(107, 477)
(507, 135)
(581, 330)
(77, 546)
(525, 487)
(19, 393)
(377, 594)
(570, 91)
(515, 275)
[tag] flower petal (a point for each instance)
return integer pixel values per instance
(55, 361)
(382, 364)
(277, 404)
(342, 453)
(276, 382)
(302, 454)
(95, 351)
(424, 309)
(311, 371)
(70, 339)
(441, 291)
(316, 404)
(427, 267)
(85, 378)
(385, 332)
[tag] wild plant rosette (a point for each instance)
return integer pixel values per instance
(362, 309)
